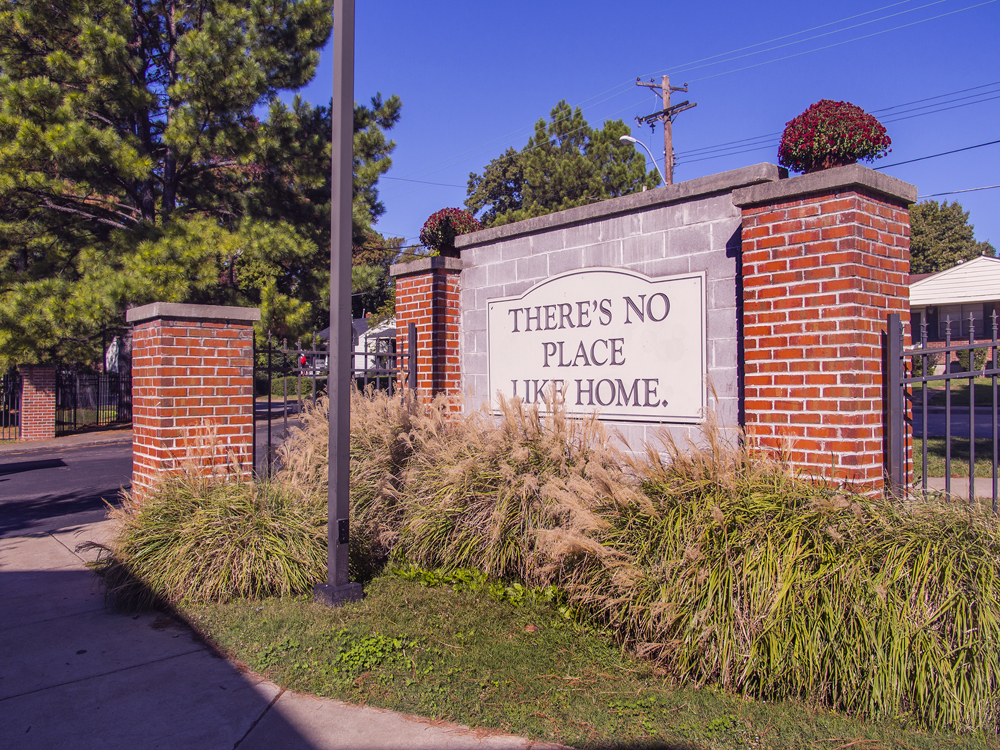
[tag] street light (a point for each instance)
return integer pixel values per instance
(630, 139)
(338, 588)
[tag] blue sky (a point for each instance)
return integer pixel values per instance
(475, 77)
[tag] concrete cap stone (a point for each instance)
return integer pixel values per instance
(722, 182)
(178, 311)
(423, 265)
(850, 177)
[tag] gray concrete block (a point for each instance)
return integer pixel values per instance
(663, 267)
(716, 264)
(501, 273)
(722, 323)
(851, 177)
(722, 294)
(515, 288)
(474, 320)
(662, 219)
(583, 235)
(643, 247)
(475, 277)
(546, 242)
(724, 233)
(723, 354)
(475, 363)
(712, 208)
(485, 293)
(689, 240)
(512, 249)
(533, 267)
(565, 260)
(620, 227)
(603, 254)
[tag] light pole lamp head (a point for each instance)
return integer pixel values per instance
(634, 142)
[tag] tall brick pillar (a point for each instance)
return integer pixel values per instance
(427, 294)
(38, 402)
(192, 389)
(825, 260)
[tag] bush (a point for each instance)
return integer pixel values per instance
(979, 360)
(830, 134)
(200, 538)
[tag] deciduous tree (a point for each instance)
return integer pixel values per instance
(565, 164)
(941, 236)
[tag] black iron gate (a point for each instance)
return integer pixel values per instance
(87, 400)
(10, 405)
(942, 419)
(285, 378)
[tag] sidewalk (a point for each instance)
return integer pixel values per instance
(103, 437)
(75, 675)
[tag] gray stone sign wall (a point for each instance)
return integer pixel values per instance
(688, 228)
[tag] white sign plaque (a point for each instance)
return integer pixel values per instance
(607, 340)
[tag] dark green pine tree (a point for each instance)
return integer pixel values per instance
(941, 236)
(133, 165)
(565, 164)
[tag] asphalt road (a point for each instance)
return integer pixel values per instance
(43, 489)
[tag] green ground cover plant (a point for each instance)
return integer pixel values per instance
(715, 566)
(439, 644)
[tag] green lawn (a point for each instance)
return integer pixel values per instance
(959, 457)
(461, 656)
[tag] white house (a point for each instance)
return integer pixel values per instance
(966, 294)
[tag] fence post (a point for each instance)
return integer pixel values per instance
(895, 444)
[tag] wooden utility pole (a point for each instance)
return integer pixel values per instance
(665, 116)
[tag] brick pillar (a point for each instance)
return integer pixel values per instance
(192, 389)
(427, 294)
(825, 260)
(38, 402)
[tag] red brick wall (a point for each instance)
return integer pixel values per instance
(38, 402)
(430, 299)
(820, 274)
(192, 397)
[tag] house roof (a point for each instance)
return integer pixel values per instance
(976, 280)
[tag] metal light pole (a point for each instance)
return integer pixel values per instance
(630, 139)
(338, 588)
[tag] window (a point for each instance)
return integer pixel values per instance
(959, 316)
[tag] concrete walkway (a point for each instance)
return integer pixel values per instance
(74, 675)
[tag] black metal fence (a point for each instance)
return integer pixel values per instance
(942, 414)
(86, 400)
(285, 378)
(10, 405)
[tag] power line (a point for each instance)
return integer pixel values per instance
(844, 41)
(422, 182)
(732, 148)
(934, 156)
(626, 86)
(825, 34)
(955, 192)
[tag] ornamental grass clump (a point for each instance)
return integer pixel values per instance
(200, 538)
(510, 496)
(739, 575)
(832, 134)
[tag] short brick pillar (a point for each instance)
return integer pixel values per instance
(825, 259)
(427, 294)
(192, 390)
(38, 402)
